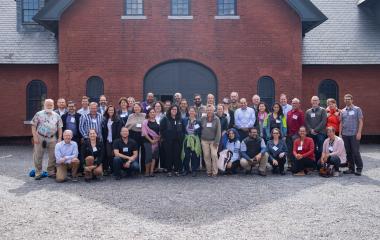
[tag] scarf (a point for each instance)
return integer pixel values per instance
(146, 131)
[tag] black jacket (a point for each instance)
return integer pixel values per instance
(171, 129)
(77, 118)
(116, 128)
(86, 150)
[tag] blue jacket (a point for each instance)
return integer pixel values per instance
(197, 132)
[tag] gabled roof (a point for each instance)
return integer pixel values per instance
(349, 36)
(50, 15)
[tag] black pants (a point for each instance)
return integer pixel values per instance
(289, 144)
(108, 158)
(195, 160)
(332, 160)
(353, 152)
(281, 164)
(234, 167)
(318, 140)
(173, 155)
(140, 146)
(302, 164)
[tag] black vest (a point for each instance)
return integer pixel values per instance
(253, 146)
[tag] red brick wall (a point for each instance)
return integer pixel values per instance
(13, 81)
(361, 81)
(94, 40)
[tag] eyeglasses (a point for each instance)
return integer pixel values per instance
(276, 133)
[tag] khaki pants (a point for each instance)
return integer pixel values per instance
(210, 155)
(38, 154)
(62, 170)
(247, 164)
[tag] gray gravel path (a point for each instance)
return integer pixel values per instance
(233, 207)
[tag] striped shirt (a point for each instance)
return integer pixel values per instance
(88, 122)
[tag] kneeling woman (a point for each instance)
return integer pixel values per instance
(303, 151)
(92, 155)
(233, 145)
(277, 151)
(192, 144)
(150, 132)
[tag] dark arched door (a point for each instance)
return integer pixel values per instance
(186, 77)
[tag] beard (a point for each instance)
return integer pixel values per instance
(48, 110)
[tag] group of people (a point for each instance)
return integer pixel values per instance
(230, 137)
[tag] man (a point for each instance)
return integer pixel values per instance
(234, 101)
(66, 155)
(199, 107)
(93, 120)
(46, 127)
(351, 131)
(333, 152)
(294, 120)
(315, 120)
(61, 104)
(284, 104)
(102, 104)
(177, 98)
(253, 153)
(245, 118)
(126, 152)
(147, 104)
(255, 102)
(85, 109)
(167, 105)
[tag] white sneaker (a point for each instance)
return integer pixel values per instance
(336, 174)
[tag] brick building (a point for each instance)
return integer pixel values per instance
(71, 48)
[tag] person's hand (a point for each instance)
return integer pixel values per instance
(59, 140)
(275, 163)
(258, 157)
(62, 160)
(36, 140)
(281, 155)
(336, 113)
(312, 132)
(298, 156)
(127, 164)
(358, 136)
(216, 145)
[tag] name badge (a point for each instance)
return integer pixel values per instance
(299, 148)
(196, 126)
(125, 150)
(331, 149)
(312, 115)
(278, 121)
(72, 120)
(138, 125)
(93, 120)
(209, 125)
(351, 113)
(147, 107)
(204, 114)
(123, 115)
(94, 149)
(295, 117)
(275, 148)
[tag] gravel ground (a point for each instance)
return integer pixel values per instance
(229, 207)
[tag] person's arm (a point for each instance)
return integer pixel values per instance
(218, 132)
(310, 145)
(341, 125)
(35, 135)
(295, 146)
(134, 156)
(263, 147)
(59, 134)
(237, 120)
(307, 121)
(83, 126)
(120, 155)
(360, 127)
(58, 156)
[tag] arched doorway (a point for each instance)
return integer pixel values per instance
(184, 76)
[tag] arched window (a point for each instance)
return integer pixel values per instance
(328, 89)
(95, 88)
(36, 93)
(265, 89)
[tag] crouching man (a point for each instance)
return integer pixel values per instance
(66, 154)
(253, 152)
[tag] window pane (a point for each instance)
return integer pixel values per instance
(36, 94)
(29, 9)
(134, 7)
(266, 90)
(180, 7)
(226, 7)
(95, 88)
(328, 89)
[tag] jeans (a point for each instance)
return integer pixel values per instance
(289, 144)
(280, 166)
(353, 152)
(318, 140)
(107, 160)
(332, 160)
(195, 160)
(118, 167)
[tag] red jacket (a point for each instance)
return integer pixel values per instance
(307, 150)
(333, 120)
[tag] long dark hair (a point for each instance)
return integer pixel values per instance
(169, 115)
(107, 116)
(148, 112)
(280, 112)
(265, 105)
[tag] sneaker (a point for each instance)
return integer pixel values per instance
(336, 174)
(38, 177)
(176, 174)
(263, 174)
(349, 171)
(193, 174)
(358, 172)
(51, 176)
(301, 173)
(169, 174)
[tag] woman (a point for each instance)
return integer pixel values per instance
(123, 111)
(184, 108)
(303, 151)
(159, 110)
(131, 101)
(210, 99)
(191, 149)
(171, 135)
(150, 132)
(210, 138)
(111, 127)
(333, 153)
(134, 124)
(275, 119)
(277, 151)
(92, 153)
(233, 145)
(223, 118)
(262, 115)
(333, 114)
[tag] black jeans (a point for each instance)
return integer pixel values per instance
(289, 144)
(281, 164)
(234, 167)
(107, 160)
(140, 146)
(353, 152)
(332, 160)
(302, 164)
(318, 140)
(173, 155)
(195, 160)
(118, 166)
